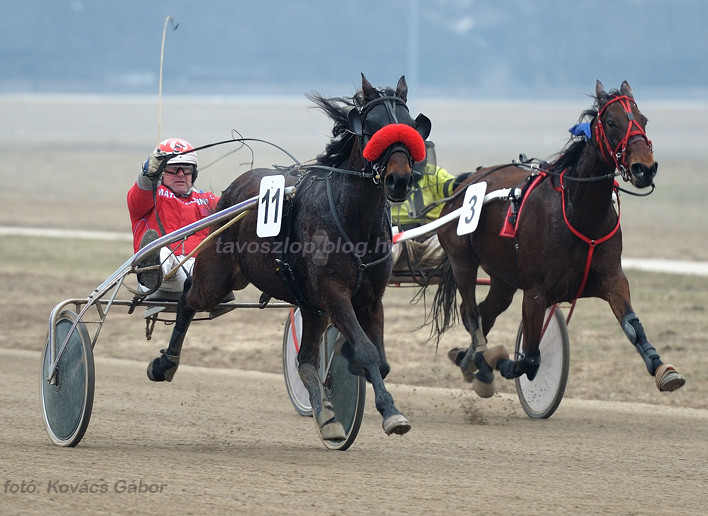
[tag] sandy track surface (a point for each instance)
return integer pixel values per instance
(229, 441)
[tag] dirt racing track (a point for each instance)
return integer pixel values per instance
(226, 439)
(229, 441)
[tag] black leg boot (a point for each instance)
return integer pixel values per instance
(164, 367)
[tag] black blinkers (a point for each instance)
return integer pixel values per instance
(381, 112)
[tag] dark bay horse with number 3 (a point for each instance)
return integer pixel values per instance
(560, 240)
(343, 198)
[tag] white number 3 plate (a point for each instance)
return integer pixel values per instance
(471, 208)
(270, 206)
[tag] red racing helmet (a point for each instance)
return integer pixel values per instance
(178, 145)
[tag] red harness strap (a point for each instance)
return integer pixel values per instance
(512, 220)
(512, 217)
(591, 243)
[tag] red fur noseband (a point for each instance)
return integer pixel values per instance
(391, 134)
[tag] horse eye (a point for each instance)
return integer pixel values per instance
(611, 124)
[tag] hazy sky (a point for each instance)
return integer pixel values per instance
(477, 48)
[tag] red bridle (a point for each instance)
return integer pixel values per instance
(618, 154)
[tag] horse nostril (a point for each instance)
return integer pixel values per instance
(639, 170)
(395, 182)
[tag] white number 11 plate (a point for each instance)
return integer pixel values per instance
(270, 206)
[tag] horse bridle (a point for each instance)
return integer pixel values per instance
(284, 267)
(390, 102)
(618, 154)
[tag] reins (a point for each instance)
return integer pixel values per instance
(636, 194)
(459, 192)
(165, 158)
(358, 173)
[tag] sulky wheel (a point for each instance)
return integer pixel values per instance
(541, 397)
(291, 345)
(346, 391)
(68, 399)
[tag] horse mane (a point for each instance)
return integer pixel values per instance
(340, 146)
(569, 156)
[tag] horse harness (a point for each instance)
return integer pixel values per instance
(283, 262)
(616, 156)
(372, 170)
(518, 202)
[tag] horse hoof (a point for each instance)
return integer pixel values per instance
(483, 389)
(396, 424)
(456, 355)
(163, 368)
(667, 378)
(469, 366)
(468, 375)
(333, 431)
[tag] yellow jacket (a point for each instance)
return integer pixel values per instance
(435, 183)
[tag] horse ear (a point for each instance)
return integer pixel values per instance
(355, 125)
(600, 92)
(423, 125)
(626, 90)
(402, 89)
(366, 87)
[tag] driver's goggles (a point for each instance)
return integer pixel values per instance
(173, 170)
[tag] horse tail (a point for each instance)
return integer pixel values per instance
(444, 313)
